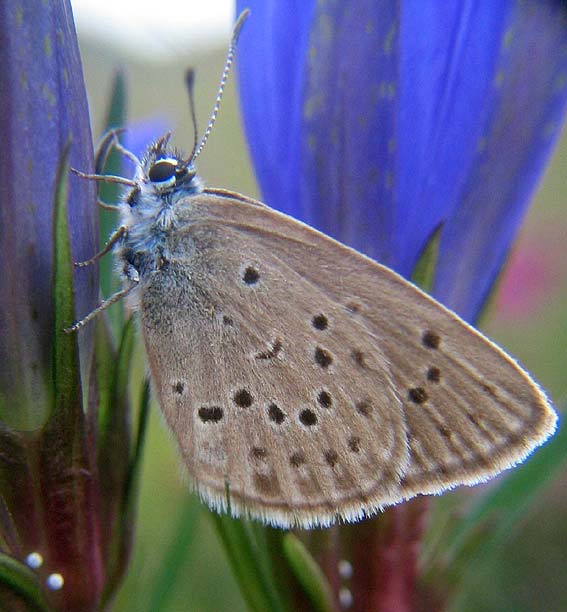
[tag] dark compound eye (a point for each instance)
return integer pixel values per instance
(162, 171)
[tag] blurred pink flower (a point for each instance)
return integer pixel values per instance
(534, 273)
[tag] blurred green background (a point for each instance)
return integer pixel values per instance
(175, 544)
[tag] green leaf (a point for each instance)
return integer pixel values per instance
(493, 518)
(131, 484)
(308, 573)
(114, 461)
(174, 560)
(108, 192)
(424, 271)
(248, 562)
(114, 412)
(66, 383)
(116, 110)
(135, 464)
(21, 582)
(105, 370)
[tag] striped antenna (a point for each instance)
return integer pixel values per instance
(227, 66)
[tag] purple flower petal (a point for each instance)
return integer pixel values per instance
(378, 123)
(522, 114)
(42, 106)
(271, 51)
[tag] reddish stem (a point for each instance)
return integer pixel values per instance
(384, 555)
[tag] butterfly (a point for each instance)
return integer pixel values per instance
(304, 382)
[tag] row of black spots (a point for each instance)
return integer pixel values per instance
(244, 399)
(320, 322)
(432, 340)
(307, 417)
(213, 414)
(451, 436)
(298, 458)
(324, 358)
(418, 395)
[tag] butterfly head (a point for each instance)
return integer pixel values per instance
(164, 177)
(164, 171)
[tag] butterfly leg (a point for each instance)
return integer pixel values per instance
(108, 142)
(126, 152)
(105, 178)
(104, 148)
(118, 234)
(107, 206)
(116, 297)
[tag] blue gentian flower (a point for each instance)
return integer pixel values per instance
(42, 107)
(63, 475)
(381, 122)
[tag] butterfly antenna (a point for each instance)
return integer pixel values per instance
(227, 66)
(189, 80)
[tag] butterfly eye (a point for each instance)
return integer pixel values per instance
(162, 171)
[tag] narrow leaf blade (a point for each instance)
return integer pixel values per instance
(20, 582)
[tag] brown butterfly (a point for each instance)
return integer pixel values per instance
(304, 382)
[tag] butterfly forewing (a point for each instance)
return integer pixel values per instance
(305, 382)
